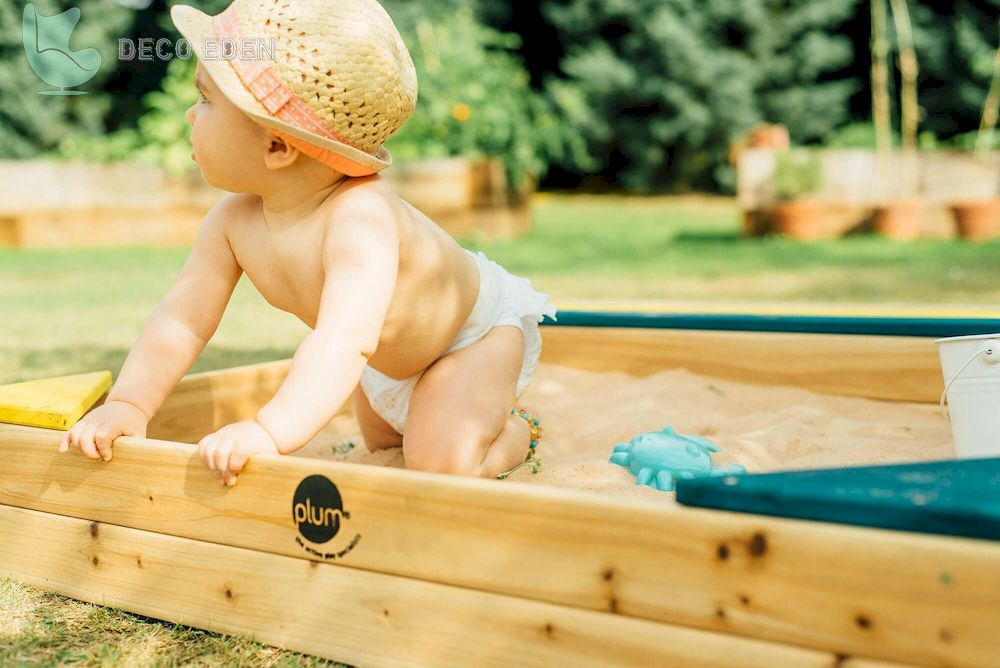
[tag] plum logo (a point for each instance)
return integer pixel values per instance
(318, 511)
(318, 508)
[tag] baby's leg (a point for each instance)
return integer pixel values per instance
(460, 420)
(377, 433)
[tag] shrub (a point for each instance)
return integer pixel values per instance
(475, 97)
(797, 172)
(163, 133)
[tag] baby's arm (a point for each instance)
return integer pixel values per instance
(172, 338)
(360, 259)
(185, 319)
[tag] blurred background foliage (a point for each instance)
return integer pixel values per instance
(645, 94)
(475, 96)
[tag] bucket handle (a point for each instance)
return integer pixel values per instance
(990, 352)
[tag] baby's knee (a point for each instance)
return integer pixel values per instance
(441, 465)
(457, 455)
(440, 461)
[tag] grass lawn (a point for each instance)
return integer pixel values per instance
(692, 250)
(42, 629)
(71, 311)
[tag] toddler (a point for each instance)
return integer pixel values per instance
(435, 343)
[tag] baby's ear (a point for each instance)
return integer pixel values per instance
(279, 153)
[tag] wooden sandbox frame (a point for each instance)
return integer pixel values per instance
(430, 569)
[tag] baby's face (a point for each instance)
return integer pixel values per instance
(228, 146)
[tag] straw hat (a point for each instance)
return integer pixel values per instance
(340, 83)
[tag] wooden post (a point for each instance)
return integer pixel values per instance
(991, 106)
(880, 77)
(909, 108)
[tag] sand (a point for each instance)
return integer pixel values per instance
(585, 413)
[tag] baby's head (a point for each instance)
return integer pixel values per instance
(295, 89)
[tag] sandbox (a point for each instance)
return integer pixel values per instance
(573, 566)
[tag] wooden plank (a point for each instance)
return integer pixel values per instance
(876, 367)
(889, 595)
(344, 614)
(204, 402)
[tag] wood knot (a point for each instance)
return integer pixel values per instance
(722, 552)
(863, 622)
(385, 612)
(758, 545)
(744, 599)
(95, 560)
(720, 613)
(946, 636)
(94, 529)
(229, 593)
(608, 575)
(138, 562)
(550, 630)
(613, 604)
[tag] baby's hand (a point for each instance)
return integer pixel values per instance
(95, 431)
(227, 450)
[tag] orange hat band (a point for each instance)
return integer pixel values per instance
(267, 87)
(332, 160)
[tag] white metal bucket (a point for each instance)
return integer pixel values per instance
(971, 369)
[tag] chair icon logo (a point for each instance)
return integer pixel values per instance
(46, 44)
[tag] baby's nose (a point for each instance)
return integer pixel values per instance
(189, 115)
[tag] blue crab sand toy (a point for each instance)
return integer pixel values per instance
(659, 458)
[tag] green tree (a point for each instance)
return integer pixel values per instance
(475, 96)
(661, 87)
(803, 52)
(955, 44)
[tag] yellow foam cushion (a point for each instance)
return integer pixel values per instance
(54, 403)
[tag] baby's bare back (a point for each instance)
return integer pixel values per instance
(436, 286)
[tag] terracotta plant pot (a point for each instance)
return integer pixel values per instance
(977, 219)
(899, 219)
(799, 218)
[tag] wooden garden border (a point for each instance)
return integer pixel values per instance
(432, 569)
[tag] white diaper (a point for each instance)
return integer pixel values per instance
(504, 299)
